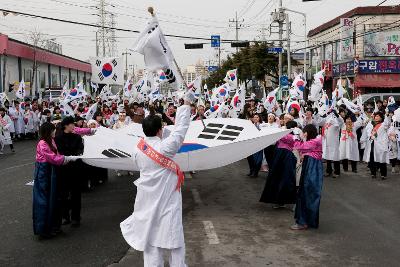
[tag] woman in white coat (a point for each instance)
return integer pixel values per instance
(17, 116)
(330, 142)
(5, 125)
(30, 122)
(349, 144)
(377, 145)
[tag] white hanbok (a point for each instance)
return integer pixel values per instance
(17, 115)
(381, 142)
(349, 143)
(5, 125)
(30, 126)
(330, 137)
(157, 217)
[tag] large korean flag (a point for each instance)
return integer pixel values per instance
(107, 71)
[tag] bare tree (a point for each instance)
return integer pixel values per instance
(37, 39)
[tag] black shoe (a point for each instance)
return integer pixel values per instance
(250, 174)
(75, 223)
(355, 171)
(254, 175)
(66, 222)
(46, 236)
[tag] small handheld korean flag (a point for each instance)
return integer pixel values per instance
(107, 71)
(231, 78)
(21, 90)
(77, 93)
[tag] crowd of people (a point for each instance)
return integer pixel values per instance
(293, 164)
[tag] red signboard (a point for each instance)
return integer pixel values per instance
(378, 80)
(327, 65)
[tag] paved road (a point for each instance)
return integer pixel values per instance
(97, 242)
(224, 223)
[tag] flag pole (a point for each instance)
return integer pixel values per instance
(151, 11)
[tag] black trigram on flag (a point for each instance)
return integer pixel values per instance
(170, 76)
(114, 62)
(115, 77)
(220, 132)
(101, 76)
(98, 63)
(115, 153)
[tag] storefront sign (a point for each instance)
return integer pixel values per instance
(346, 49)
(381, 44)
(379, 66)
(343, 69)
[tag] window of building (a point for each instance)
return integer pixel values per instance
(54, 79)
(42, 79)
(27, 75)
(64, 79)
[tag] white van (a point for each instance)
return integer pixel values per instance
(380, 96)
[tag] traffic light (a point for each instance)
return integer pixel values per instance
(193, 46)
(240, 44)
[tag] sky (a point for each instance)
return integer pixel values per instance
(179, 17)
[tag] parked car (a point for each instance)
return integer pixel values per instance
(380, 96)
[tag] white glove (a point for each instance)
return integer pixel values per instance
(93, 130)
(68, 159)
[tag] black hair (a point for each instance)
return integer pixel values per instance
(97, 113)
(46, 131)
(291, 124)
(310, 109)
(78, 118)
(311, 130)
(379, 101)
(46, 111)
(3, 109)
(380, 114)
(67, 121)
(151, 125)
(259, 116)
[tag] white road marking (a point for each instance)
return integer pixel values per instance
(196, 197)
(210, 232)
(30, 183)
(17, 166)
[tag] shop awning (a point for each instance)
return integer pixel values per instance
(378, 80)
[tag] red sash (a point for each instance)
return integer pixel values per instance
(162, 160)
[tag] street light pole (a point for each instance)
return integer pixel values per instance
(126, 62)
(305, 39)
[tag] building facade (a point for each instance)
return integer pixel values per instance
(361, 48)
(53, 70)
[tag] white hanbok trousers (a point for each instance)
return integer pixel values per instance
(154, 257)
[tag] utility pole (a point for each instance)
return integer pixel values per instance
(113, 36)
(126, 62)
(289, 60)
(279, 17)
(237, 26)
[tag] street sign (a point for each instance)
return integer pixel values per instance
(215, 40)
(284, 81)
(193, 46)
(275, 50)
(212, 68)
(240, 44)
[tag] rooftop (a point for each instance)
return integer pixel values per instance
(358, 11)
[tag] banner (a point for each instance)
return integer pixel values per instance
(346, 49)
(382, 44)
(107, 71)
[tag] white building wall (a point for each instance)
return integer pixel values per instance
(11, 71)
(363, 24)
